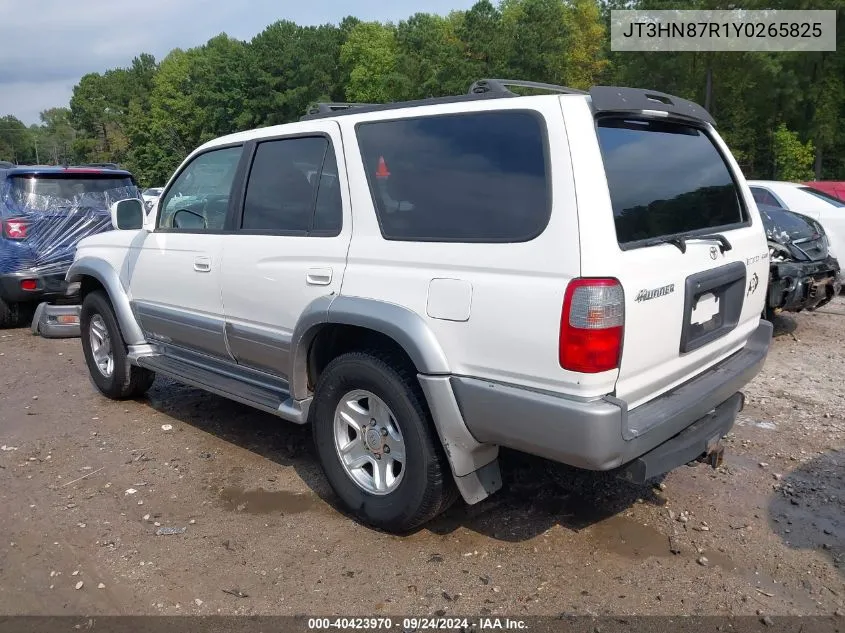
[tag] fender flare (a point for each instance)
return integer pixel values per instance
(465, 454)
(402, 325)
(103, 272)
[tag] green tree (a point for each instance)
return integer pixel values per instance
(56, 136)
(370, 53)
(17, 143)
(793, 159)
(585, 60)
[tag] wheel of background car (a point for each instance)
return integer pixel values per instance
(106, 353)
(8, 315)
(376, 443)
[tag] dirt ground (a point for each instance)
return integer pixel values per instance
(86, 483)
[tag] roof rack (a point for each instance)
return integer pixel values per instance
(605, 99)
(330, 107)
(500, 86)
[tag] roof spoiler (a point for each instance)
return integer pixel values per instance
(637, 100)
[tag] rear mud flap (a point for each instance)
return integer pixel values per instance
(56, 321)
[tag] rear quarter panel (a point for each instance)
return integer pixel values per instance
(506, 327)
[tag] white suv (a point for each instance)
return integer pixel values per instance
(575, 275)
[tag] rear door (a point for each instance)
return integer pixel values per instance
(693, 301)
(291, 234)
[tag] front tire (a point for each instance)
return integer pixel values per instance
(376, 443)
(106, 353)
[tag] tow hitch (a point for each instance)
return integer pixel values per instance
(714, 454)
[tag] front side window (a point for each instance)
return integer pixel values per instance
(665, 179)
(199, 198)
(293, 188)
(475, 177)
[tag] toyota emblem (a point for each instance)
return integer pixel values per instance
(714, 252)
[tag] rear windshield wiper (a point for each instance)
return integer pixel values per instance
(724, 244)
(681, 241)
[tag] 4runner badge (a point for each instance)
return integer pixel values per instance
(646, 295)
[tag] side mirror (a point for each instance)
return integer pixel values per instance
(127, 215)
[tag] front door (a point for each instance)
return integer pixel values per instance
(175, 275)
(291, 236)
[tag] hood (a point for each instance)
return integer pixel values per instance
(784, 226)
(802, 236)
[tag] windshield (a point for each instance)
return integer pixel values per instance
(836, 202)
(665, 179)
(152, 192)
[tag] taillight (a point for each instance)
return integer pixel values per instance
(591, 325)
(14, 229)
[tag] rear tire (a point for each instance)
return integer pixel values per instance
(106, 353)
(366, 401)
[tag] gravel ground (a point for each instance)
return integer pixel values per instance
(86, 484)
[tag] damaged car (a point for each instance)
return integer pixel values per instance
(803, 273)
(44, 212)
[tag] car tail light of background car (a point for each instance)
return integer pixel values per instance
(591, 325)
(15, 229)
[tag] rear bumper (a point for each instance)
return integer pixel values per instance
(591, 434)
(46, 287)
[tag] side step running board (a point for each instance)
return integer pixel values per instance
(275, 400)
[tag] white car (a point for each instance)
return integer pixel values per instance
(151, 196)
(798, 198)
(578, 276)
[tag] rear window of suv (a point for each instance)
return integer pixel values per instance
(61, 188)
(665, 179)
(475, 177)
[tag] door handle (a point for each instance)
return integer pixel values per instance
(318, 276)
(202, 264)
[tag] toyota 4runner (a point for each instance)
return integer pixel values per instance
(565, 274)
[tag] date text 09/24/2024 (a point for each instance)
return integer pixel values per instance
(417, 624)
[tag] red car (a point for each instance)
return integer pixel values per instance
(834, 188)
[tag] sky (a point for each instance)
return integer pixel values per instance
(49, 44)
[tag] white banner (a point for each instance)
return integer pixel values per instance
(739, 30)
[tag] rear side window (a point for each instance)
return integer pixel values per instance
(477, 177)
(665, 179)
(293, 187)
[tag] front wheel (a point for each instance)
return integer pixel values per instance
(376, 443)
(105, 351)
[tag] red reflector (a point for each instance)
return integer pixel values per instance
(15, 229)
(592, 325)
(29, 284)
